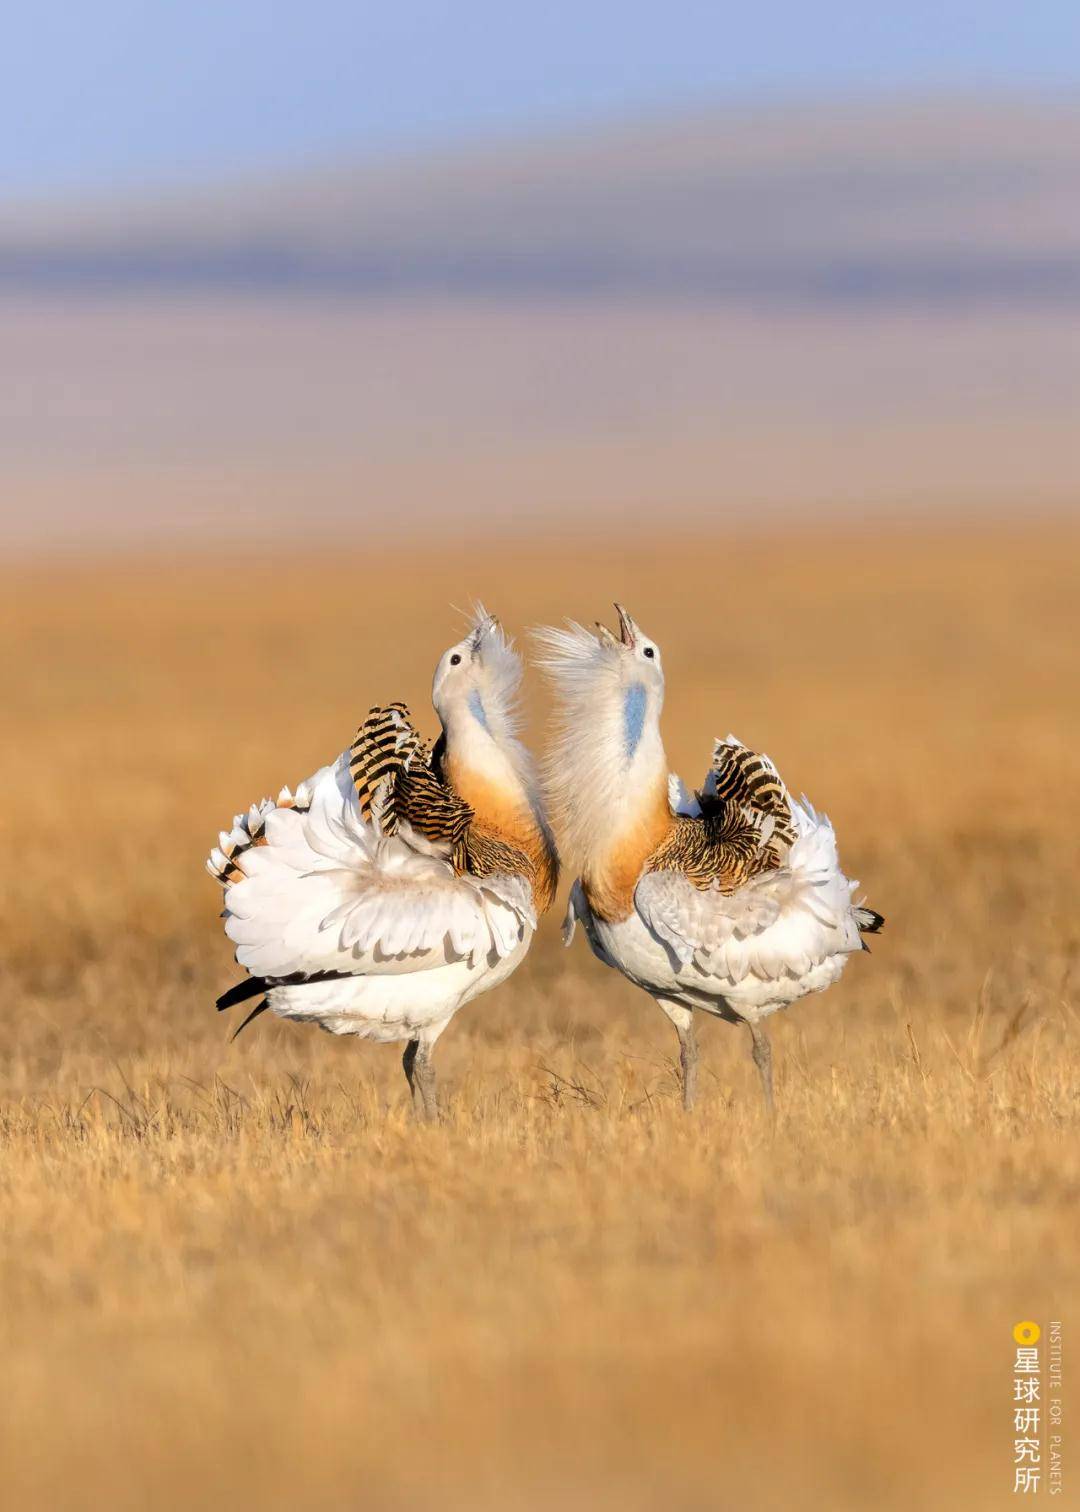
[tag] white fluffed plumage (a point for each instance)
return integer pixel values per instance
(741, 954)
(330, 892)
(784, 934)
(372, 929)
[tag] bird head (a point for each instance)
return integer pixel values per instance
(589, 668)
(632, 652)
(478, 677)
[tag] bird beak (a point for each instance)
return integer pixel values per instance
(627, 629)
(487, 626)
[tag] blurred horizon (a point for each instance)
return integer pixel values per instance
(831, 272)
(40, 196)
(873, 200)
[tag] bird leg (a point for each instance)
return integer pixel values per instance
(761, 1050)
(683, 1019)
(688, 1059)
(408, 1061)
(424, 1072)
(420, 1074)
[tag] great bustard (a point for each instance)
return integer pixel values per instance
(398, 883)
(730, 900)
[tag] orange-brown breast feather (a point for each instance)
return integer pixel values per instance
(504, 833)
(609, 882)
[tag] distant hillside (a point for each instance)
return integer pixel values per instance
(874, 203)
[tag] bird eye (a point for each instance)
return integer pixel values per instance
(650, 652)
(455, 659)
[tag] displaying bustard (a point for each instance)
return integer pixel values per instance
(730, 900)
(395, 885)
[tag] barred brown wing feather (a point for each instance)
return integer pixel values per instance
(488, 856)
(434, 810)
(743, 831)
(384, 744)
(388, 760)
(721, 849)
(430, 806)
(389, 755)
(743, 779)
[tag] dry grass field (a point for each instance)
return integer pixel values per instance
(238, 1275)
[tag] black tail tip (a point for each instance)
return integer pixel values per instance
(254, 1014)
(868, 921)
(249, 988)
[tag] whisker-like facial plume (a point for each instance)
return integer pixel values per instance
(483, 625)
(605, 756)
(501, 672)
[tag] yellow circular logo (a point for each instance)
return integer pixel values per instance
(1027, 1333)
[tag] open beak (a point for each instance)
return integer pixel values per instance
(627, 629)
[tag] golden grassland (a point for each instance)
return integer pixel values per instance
(238, 1274)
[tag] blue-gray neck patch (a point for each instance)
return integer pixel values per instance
(633, 717)
(476, 707)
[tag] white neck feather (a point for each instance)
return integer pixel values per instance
(482, 742)
(605, 765)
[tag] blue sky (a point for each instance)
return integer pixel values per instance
(99, 93)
